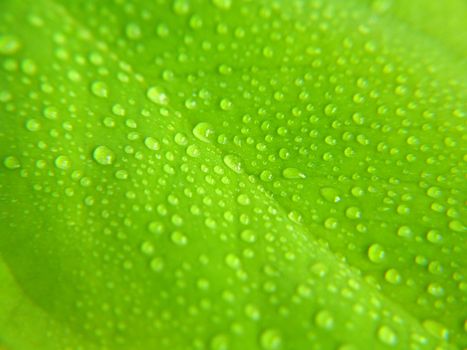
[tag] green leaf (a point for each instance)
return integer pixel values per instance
(232, 174)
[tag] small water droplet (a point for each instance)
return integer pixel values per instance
(9, 45)
(103, 155)
(330, 194)
(392, 276)
(63, 162)
(387, 336)
(179, 238)
(293, 173)
(11, 162)
(151, 143)
(157, 264)
(33, 125)
(133, 31)
(234, 163)
(270, 339)
(99, 89)
(204, 132)
(157, 95)
(376, 253)
(225, 104)
(324, 320)
(353, 213)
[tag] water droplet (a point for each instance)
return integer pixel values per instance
(33, 125)
(155, 227)
(434, 236)
(103, 155)
(100, 89)
(248, 236)
(121, 174)
(435, 289)
(265, 176)
(324, 320)
(51, 113)
(157, 264)
(436, 329)
(457, 226)
(147, 248)
(252, 312)
(193, 151)
(63, 162)
(404, 231)
(157, 95)
(331, 223)
(376, 253)
(151, 143)
(225, 104)
(392, 276)
(387, 336)
(353, 213)
(222, 4)
(434, 192)
(234, 163)
(133, 31)
(8, 45)
(204, 132)
(178, 238)
(232, 261)
(330, 194)
(219, 342)
(11, 162)
(270, 339)
(243, 199)
(293, 173)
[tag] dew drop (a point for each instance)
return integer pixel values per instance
(436, 329)
(248, 236)
(392, 276)
(133, 31)
(387, 336)
(330, 194)
(376, 253)
(270, 339)
(293, 173)
(353, 213)
(265, 176)
(193, 151)
(8, 45)
(203, 132)
(157, 264)
(62, 162)
(234, 163)
(324, 319)
(225, 104)
(157, 95)
(151, 143)
(232, 261)
(11, 162)
(222, 4)
(33, 125)
(219, 342)
(179, 238)
(99, 89)
(103, 155)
